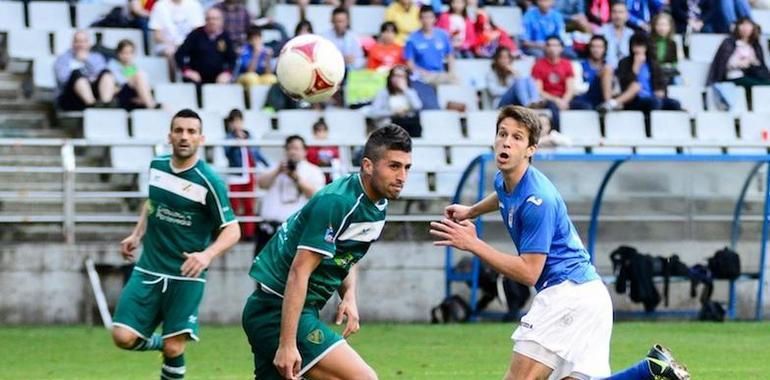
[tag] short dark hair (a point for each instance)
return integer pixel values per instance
(638, 39)
(186, 113)
(234, 114)
(291, 139)
(389, 137)
(388, 25)
(524, 116)
(122, 44)
(554, 37)
(253, 31)
(303, 24)
(340, 10)
(599, 37)
(619, 2)
(426, 9)
(319, 125)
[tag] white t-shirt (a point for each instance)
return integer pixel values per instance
(176, 20)
(284, 197)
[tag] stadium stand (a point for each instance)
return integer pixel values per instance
(176, 95)
(221, 98)
(49, 15)
(297, 122)
(11, 15)
(440, 125)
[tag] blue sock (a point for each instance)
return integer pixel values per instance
(639, 371)
(155, 343)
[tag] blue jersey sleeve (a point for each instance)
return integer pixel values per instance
(538, 225)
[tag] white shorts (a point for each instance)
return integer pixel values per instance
(568, 328)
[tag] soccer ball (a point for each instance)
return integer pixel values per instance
(310, 68)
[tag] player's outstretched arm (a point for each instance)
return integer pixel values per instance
(348, 308)
(130, 243)
(460, 212)
(287, 359)
(525, 268)
(197, 262)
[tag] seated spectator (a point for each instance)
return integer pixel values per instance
(244, 158)
(133, 88)
(573, 14)
(598, 74)
(207, 54)
(254, 65)
(303, 27)
(460, 28)
(665, 49)
(598, 13)
(171, 21)
(386, 53)
(549, 137)
(617, 33)
(427, 49)
(237, 21)
(82, 77)
(641, 12)
(345, 39)
(324, 156)
(489, 37)
(732, 11)
(139, 13)
(698, 16)
(642, 82)
(554, 78)
(740, 58)
(506, 86)
(406, 15)
(541, 22)
(398, 103)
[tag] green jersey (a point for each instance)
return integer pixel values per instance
(339, 222)
(185, 209)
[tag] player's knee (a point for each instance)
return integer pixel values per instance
(173, 348)
(123, 338)
(367, 373)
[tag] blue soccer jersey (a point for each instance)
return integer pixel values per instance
(536, 218)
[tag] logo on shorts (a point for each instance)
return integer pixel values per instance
(316, 336)
(329, 236)
(525, 325)
(192, 319)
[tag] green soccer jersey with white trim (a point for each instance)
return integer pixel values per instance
(339, 222)
(185, 209)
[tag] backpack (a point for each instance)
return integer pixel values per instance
(451, 309)
(726, 264)
(712, 311)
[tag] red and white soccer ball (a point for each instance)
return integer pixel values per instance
(311, 68)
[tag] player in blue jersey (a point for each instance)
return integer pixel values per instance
(566, 333)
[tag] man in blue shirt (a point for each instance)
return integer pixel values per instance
(345, 39)
(566, 333)
(541, 22)
(617, 33)
(428, 48)
(597, 73)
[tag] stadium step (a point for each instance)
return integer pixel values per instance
(84, 232)
(40, 206)
(55, 186)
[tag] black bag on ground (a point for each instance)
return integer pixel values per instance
(636, 270)
(726, 264)
(451, 309)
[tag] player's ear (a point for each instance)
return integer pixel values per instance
(531, 150)
(367, 165)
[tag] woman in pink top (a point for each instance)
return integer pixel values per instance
(460, 28)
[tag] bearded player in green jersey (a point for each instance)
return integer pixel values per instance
(187, 205)
(313, 255)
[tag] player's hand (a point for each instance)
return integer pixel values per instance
(195, 264)
(460, 235)
(457, 212)
(128, 245)
(348, 308)
(288, 362)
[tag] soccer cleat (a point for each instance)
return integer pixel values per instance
(663, 366)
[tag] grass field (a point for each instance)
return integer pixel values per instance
(462, 352)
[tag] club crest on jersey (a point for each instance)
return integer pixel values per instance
(316, 336)
(535, 200)
(329, 236)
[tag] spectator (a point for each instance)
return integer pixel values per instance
(490, 37)
(554, 78)
(573, 13)
(133, 88)
(642, 82)
(82, 77)
(237, 21)
(598, 74)
(598, 12)
(244, 158)
(171, 21)
(207, 54)
(139, 13)
(254, 65)
(665, 52)
(386, 53)
(288, 187)
(345, 39)
(549, 137)
(507, 86)
(324, 156)
(427, 49)
(541, 22)
(303, 27)
(406, 15)
(641, 12)
(732, 11)
(398, 103)
(617, 34)
(460, 28)
(698, 16)
(740, 58)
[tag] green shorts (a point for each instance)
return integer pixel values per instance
(262, 324)
(150, 299)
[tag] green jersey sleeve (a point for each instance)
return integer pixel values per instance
(324, 219)
(218, 202)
